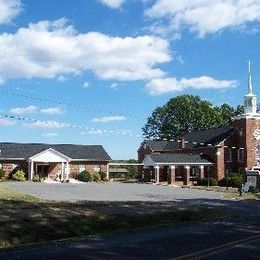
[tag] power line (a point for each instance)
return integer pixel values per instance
(64, 103)
(57, 124)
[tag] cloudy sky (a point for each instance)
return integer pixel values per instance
(91, 72)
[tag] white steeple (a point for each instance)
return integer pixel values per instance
(250, 100)
(250, 88)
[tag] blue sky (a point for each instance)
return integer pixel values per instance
(91, 72)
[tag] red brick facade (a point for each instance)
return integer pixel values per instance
(52, 169)
(234, 154)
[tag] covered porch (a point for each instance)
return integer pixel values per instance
(179, 169)
(41, 163)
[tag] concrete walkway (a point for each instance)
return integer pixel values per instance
(111, 192)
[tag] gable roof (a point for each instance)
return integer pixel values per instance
(159, 145)
(179, 158)
(194, 139)
(209, 136)
(81, 152)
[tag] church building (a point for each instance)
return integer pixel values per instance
(214, 152)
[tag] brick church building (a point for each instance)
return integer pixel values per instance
(213, 152)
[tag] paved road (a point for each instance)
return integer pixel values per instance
(237, 237)
(111, 192)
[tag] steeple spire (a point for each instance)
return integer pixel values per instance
(250, 88)
(250, 100)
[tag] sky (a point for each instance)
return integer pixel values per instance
(92, 71)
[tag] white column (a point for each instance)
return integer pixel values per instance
(108, 172)
(68, 170)
(62, 171)
(31, 171)
(157, 174)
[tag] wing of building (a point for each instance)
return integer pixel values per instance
(213, 152)
(52, 160)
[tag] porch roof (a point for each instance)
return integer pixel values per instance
(176, 159)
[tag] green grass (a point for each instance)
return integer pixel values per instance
(26, 219)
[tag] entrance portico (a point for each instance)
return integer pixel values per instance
(175, 168)
(48, 157)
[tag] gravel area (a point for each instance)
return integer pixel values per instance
(111, 192)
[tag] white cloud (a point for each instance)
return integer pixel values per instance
(113, 3)
(94, 132)
(23, 110)
(86, 84)
(109, 119)
(50, 134)
(51, 49)
(169, 85)
(204, 16)
(52, 111)
(9, 9)
(46, 124)
(6, 122)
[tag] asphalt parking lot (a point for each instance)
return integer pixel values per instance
(111, 192)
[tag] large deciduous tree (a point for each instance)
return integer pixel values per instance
(187, 113)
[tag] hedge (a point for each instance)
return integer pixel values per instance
(205, 181)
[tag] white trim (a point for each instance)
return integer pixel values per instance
(183, 164)
(63, 156)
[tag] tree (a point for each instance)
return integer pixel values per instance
(187, 113)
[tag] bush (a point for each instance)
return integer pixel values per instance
(96, 177)
(19, 176)
(84, 176)
(36, 178)
(103, 175)
(204, 182)
(2, 174)
(253, 189)
(234, 180)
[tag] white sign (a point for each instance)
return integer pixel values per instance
(251, 180)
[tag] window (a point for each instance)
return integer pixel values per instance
(241, 155)
(1, 166)
(82, 167)
(96, 168)
(257, 152)
(229, 155)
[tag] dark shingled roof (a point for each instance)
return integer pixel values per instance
(178, 158)
(210, 136)
(26, 150)
(158, 145)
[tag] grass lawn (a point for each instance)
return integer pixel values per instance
(26, 219)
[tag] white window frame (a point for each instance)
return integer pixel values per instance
(96, 168)
(82, 167)
(257, 153)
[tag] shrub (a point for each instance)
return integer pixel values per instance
(96, 177)
(2, 174)
(19, 176)
(205, 181)
(234, 180)
(253, 189)
(84, 176)
(103, 175)
(36, 178)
